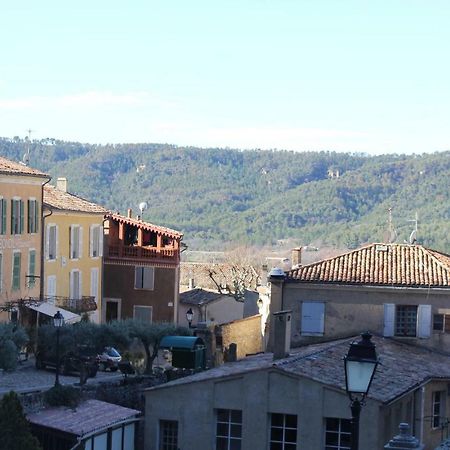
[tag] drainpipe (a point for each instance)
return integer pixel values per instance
(102, 317)
(422, 412)
(43, 217)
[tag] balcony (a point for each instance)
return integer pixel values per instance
(136, 253)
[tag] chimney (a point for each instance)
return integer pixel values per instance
(282, 334)
(296, 256)
(129, 213)
(61, 184)
(191, 283)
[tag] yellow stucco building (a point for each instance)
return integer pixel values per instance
(73, 251)
(20, 235)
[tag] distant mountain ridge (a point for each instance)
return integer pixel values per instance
(216, 196)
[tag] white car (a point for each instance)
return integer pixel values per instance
(109, 359)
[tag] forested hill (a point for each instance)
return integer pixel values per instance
(222, 195)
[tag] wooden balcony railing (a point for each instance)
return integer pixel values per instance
(130, 252)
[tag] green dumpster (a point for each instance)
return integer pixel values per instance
(188, 352)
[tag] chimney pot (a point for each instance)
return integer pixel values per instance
(296, 256)
(282, 334)
(129, 213)
(61, 184)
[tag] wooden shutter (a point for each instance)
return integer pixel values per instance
(424, 321)
(138, 274)
(36, 216)
(80, 242)
(389, 319)
(313, 318)
(16, 271)
(21, 220)
(31, 268)
(13, 213)
(4, 208)
(91, 241)
(94, 284)
(29, 216)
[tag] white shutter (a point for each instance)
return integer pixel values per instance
(91, 241)
(148, 278)
(80, 285)
(47, 241)
(80, 240)
(56, 241)
(51, 288)
(71, 278)
(313, 318)
(424, 321)
(389, 319)
(94, 284)
(138, 277)
(100, 241)
(71, 241)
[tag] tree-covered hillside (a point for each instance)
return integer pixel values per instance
(258, 197)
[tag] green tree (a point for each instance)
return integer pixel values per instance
(150, 335)
(12, 338)
(16, 434)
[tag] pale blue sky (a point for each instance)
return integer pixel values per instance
(369, 76)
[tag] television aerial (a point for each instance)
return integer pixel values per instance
(143, 206)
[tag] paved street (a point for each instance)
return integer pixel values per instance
(27, 379)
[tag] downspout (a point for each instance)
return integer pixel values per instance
(102, 271)
(43, 217)
(422, 412)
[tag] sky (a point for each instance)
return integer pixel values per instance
(302, 75)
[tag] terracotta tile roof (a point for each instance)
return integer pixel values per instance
(403, 367)
(199, 296)
(145, 225)
(89, 416)
(380, 264)
(65, 201)
(14, 168)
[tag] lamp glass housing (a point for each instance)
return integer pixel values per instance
(189, 315)
(58, 320)
(359, 375)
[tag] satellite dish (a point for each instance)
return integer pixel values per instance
(143, 206)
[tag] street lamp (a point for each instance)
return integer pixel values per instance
(360, 364)
(189, 316)
(58, 322)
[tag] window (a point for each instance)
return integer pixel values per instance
(33, 216)
(436, 409)
(337, 434)
(52, 242)
(95, 241)
(441, 322)
(16, 271)
(313, 315)
(16, 216)
(31, 281)
(407, 320)
(142, 313)
(168, 435)
(3, 207)
(144, 278)
(283, 432)
(229, 429)
(75, 285)
(75, 241)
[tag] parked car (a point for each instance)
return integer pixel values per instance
(109, 359)
(83, 358)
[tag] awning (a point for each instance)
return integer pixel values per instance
(50, 310)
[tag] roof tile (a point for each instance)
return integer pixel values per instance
(58, 199)
(380, 264)
(15, 168)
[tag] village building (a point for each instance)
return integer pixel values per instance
(20, 236)
(397, 290)
(141, 270)
(73, 253)
(300, 401)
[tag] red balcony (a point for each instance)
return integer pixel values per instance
(135, 253)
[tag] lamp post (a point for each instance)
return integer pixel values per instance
(189, 316)
(360, 365)
(58, 322)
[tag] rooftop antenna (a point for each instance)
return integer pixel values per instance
(391, 230)
(26, 156)
(413, 235)
(143, 206)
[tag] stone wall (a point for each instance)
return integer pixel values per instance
(245, 333)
